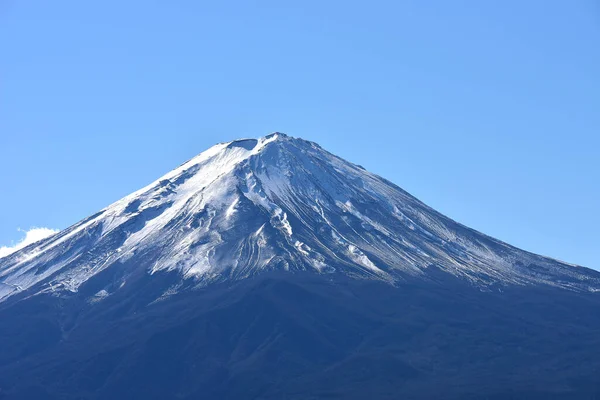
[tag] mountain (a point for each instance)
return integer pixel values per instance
(271, 268)
(276, 203)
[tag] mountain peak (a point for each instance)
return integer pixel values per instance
(250, 143)
(274, 203)
(257, 144)
(279, 135)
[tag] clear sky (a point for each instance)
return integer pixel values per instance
(489, 111)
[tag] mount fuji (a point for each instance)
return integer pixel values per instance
(270, 268)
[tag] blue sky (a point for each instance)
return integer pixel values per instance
(487, 111)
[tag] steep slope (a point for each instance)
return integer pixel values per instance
(276, 203)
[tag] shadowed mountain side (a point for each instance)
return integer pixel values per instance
(300, 336)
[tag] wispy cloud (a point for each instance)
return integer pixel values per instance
(31, 236)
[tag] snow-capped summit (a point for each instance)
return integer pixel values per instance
(273, 203)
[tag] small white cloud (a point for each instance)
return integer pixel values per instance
(31, 236)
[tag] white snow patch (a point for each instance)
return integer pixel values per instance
(101, 295)
(231, 209)
(362, 259)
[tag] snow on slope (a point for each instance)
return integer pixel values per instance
(251, 205)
